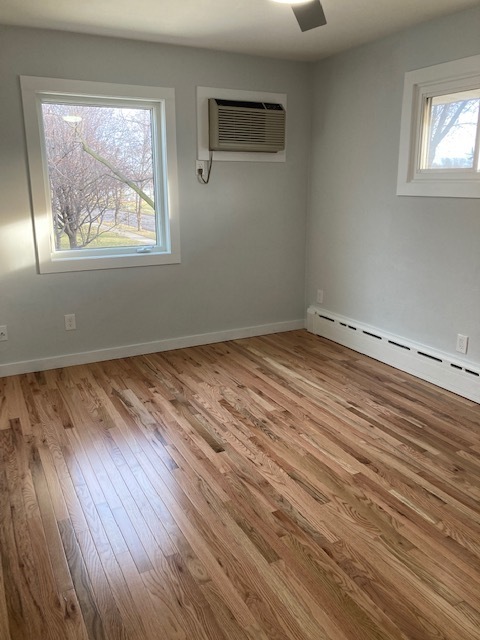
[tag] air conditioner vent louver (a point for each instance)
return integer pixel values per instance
(246, 126)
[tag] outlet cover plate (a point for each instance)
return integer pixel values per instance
(70, 322)
(462, 343)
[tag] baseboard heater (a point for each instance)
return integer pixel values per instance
(419, 360)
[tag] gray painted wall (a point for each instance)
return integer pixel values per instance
(242, 237)
(407, 265)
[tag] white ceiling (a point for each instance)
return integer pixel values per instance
(258, 27)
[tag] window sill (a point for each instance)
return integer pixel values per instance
(65, 265)
(440, 188)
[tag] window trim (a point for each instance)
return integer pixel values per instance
(163, 100)
(446, 78)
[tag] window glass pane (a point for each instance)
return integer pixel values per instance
(101, 173)
(452, 130)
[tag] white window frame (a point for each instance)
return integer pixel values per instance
(35, 90)
(421, 84)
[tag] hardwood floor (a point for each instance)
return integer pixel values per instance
(279, 488)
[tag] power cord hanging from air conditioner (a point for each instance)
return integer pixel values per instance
(200, 177)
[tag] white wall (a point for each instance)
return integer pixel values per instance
(242, 237)
(407, 265)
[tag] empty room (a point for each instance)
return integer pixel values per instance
(239, 320)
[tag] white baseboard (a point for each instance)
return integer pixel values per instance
(125, 351)
(440, 368)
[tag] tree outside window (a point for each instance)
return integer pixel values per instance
(452, 130)
(101, 175)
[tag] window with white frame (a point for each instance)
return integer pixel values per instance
(440, 131)
(103, 174)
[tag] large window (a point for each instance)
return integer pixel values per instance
(103, 174)
(440, 135)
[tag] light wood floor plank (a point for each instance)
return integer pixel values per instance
(274, 488)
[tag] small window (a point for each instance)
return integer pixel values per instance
(103, 174)
(440, 134)
(450, 133)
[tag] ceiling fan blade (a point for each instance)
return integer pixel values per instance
(309, 15)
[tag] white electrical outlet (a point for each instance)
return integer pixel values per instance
(70, 322)
(462, 343)
(3, 333)
(320, 296)
(200, 167)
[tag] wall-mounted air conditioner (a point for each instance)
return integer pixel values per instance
(236, 125)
